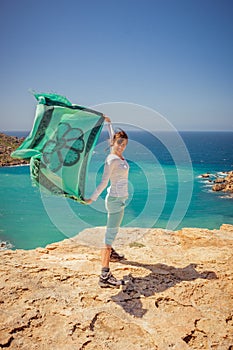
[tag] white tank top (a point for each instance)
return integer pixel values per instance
(116, 171)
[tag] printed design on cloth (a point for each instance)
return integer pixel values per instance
(65, 148)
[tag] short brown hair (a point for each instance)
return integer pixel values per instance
(119, 135)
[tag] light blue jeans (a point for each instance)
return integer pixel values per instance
(115, 207)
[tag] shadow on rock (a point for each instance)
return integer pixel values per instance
(161, 278)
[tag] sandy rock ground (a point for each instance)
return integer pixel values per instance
(178, 293)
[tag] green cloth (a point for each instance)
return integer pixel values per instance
(60, 145)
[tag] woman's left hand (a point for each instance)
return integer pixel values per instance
(107, 119)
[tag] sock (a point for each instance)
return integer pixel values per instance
(105, 271)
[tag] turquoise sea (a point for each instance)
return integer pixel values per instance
(165, 184)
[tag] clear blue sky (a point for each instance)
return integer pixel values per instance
(175, 56)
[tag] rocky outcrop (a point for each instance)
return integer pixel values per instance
(178, 294)
(218, 187)
(223, 183)
(229, 182)
(7, 145)
(206, 175)
(4, 245)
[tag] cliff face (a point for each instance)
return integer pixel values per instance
(178, 294)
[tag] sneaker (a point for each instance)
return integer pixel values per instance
(109, 280)
(114, 256)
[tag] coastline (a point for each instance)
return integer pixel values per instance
(15, 165)
(220, 182)
(181, 281)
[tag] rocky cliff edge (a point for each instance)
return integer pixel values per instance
(178, 294)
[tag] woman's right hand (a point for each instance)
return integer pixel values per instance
(88, 200)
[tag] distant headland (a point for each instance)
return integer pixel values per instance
(7, 145)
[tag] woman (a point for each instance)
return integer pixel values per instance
(116, 170)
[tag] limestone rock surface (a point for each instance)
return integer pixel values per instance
(178, 294)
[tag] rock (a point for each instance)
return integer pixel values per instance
(221, 183)
(206, 175)
(4, 245)
(219, 180)
(226, 227)
(177, 294)
(218, 187)
(228, 187)
(229, 176)
(225, 183)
